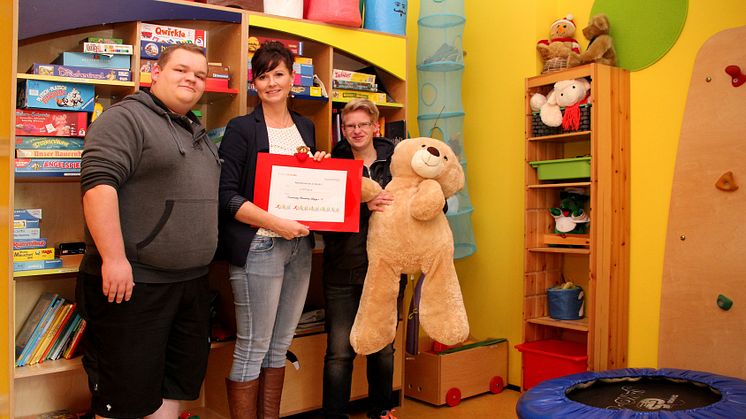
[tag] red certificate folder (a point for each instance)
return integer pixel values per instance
(354, 169)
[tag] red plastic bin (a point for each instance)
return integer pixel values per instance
(551, 358)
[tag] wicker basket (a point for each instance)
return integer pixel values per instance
(538, 129)
(554, 64)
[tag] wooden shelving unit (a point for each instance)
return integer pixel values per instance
(599, 262)
(62, 384)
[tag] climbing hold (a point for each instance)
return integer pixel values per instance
(724, 302)
(737, 78)
(727, 183)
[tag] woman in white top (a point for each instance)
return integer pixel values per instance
(270, 257)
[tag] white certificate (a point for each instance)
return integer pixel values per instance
(298, 193)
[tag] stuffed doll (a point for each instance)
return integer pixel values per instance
(555, 50)
(569, 217)
(411, 236)
(568, 94)
(600, 49)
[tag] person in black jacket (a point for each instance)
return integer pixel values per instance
(345, 266)
(269, 256)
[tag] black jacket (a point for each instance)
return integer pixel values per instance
(345, 254)
(244, 137)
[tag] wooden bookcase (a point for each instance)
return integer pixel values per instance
(62, 384)
(599, 264)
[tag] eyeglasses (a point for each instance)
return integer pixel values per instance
(361, 125)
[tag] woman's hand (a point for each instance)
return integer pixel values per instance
(321, 155)
(381, 201)
(290, 229)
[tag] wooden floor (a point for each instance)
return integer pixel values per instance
(485, 406)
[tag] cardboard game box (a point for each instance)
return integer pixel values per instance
(42, 94)
(51, 123)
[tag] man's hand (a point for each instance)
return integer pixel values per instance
(381, 201)
(117, 280)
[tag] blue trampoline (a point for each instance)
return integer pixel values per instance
(636, 393)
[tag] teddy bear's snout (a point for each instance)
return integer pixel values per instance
(434, 151)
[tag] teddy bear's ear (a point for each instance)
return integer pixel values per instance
(601, 22)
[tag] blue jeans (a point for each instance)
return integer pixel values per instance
(268, 293)
(342, 301)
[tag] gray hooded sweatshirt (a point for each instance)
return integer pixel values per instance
(166, 174)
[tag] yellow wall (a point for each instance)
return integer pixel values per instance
(499, 40)
(8, 17)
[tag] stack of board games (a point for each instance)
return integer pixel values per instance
(52, 330)
(154, 39)
(303, 81)
(97, 59)
(347, 85)
(30, 250)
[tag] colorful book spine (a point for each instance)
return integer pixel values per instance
(46, 337)
(32, 321)
(75, 341)
(64, 340)
(57, 329)
(39, 331)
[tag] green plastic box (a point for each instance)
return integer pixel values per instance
(572, 168)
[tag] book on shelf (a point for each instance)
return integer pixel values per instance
(71, 349)
(32, 321)
(56, 330)
(39, 330)
(66, 337)
(49, 332)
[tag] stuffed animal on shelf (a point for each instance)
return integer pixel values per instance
(568, 94)
(569, 217)
(555, 50)
(411, 236)
(601, 47)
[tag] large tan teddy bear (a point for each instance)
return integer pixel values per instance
(601, 48)
(411, 236)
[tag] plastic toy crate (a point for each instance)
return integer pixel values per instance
(571, 168)
(551, 358)
(538, 129)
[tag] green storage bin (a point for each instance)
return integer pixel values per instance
(572, 168)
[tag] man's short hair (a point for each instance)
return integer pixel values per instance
(166, 54)
(362, 105)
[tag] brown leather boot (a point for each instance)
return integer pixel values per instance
(270, 392)
(242, 398)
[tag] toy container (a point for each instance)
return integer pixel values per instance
(456, 373)
(551, 358)
(565, 304)
(571, 168)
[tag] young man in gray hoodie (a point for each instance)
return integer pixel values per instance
(149, 181)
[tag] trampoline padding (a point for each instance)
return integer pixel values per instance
(722, 397)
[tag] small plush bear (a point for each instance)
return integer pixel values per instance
(410, 236)
(600, 49)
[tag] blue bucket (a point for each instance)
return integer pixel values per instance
(565, 304)
(386, 16)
